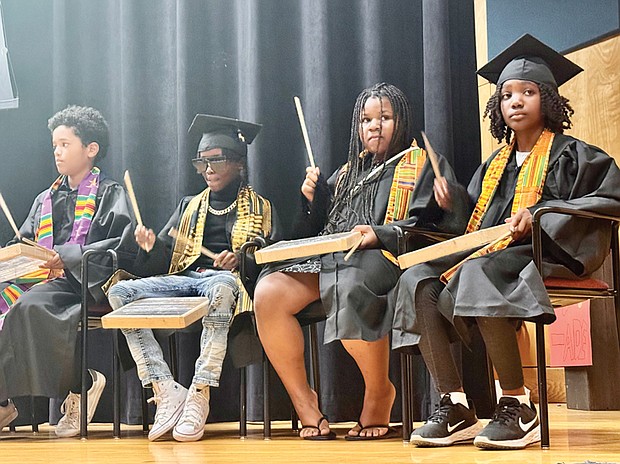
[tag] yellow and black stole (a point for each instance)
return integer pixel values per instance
(406, 175)
(528, 191)
(253, 219)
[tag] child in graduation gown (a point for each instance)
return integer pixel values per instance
(378, 185)
(539, 166)
(226, 214)
(82, 210)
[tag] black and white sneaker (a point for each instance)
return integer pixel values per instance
(514, 426)
(449, 424)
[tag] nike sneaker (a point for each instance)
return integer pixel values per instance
(514, 426)
(450, 423)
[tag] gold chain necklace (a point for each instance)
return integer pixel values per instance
(222, 212)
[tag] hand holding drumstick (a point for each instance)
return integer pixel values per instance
(441, 189)
(224, 260)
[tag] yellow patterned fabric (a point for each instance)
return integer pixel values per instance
(406, 175)
(528, 191)
(253, 219)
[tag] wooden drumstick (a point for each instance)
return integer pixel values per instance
(9, 217)
(432, 156)
(204, 250)
(304, 130)
(132, 197)
(353, 248)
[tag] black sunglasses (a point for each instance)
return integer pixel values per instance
(216, 162)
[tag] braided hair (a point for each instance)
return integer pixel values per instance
(342, 216)
(555, 108)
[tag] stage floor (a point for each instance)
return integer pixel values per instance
(576, 437)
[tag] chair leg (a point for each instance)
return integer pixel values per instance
(243, 413)
(314, 362)
(405, 398)
(266, 406)
(145, 413)
(84, 380)
(543, 407)
(33, 418)
(491, 380)
(294, 419)
(116, 385)
(174, 360)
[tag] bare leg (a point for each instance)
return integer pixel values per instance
(372, 358)
(278, 297)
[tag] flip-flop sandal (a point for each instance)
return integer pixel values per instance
(391, 433)
(330, 436)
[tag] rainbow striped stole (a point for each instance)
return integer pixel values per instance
(83, 215)
(528, 191)
(44, 235)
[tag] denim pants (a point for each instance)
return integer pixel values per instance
(221, 289)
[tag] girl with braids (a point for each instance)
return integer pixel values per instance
(500, 283)
(378, 185)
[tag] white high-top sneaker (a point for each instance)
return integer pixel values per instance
(69, 424)
(191, 425)
(169, 396)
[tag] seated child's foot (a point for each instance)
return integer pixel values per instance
(452, 422)
(170, 399)
(191, 425)
(69, 424)
(514, 426)
(376, 410)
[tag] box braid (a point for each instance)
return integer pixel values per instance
(555, 108)
(342, 217)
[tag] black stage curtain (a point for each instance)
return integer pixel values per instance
(149, 66)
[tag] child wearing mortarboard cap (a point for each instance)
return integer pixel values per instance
(221, 218)
(499, 284)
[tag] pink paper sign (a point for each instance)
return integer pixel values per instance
(569, 336)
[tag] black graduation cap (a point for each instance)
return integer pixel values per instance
(221, 132)
(529, 59)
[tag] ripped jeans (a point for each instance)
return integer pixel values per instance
(221, 289)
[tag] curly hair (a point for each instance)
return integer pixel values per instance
(87, 123)
(401, 138)
(555, 108)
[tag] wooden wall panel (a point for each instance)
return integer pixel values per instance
(595, 95)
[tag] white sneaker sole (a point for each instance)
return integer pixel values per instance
(179, 436)
(532, 437)
(462, 436)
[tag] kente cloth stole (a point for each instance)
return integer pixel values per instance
(83, 216)
(406, 175)
(528, 191)
(253, 219)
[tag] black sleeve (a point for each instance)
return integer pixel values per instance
(312, 217)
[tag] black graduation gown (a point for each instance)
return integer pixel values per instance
(38, 341)
(354, 293)
(506, 283)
